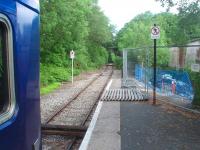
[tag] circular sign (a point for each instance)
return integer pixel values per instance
(155, 31)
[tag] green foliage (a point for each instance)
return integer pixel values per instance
(179, 3)
(100, 35)
(189, 20)
(63, 28)
(186, 23)
(98, 54)
(51, 73)
(99, 28)
(49, 88)
(67, 25)
(117, 61)
(136, 34)
(195, 78)
(77, 25)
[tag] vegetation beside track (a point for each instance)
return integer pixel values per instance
(49, 88)
(195, 77)
(77, 25)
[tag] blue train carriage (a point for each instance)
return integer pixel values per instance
(19, 75)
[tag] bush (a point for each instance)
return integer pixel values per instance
(195, 78)
(98, 55)
(49, 88)
(82, 61)
(51, 73)
(117, 61)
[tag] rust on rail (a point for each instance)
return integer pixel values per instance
(78, 131)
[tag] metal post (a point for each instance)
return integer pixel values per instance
(145, 78)
(146, 65)
(72, 70)
(148, 71)
(154, 73)
(125, 70)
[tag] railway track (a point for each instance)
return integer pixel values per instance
(54, 124)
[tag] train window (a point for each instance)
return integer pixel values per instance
(7, 89)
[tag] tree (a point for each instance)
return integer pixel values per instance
(100, 35)
(188, 19)
(136, 34)
(178, 3)
(77, 25)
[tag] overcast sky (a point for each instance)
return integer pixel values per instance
(122, 11)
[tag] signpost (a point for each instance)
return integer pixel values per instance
(195, 67)
(72, 56)
(155, 34)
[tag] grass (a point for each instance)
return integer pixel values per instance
(49, 88)
(56, 84)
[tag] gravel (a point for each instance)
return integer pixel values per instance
(75, 112)
(55, 142)
(51, 102)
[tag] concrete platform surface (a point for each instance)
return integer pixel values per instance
(105, 135)
(148, 127)
(103, 132)
(142, 126)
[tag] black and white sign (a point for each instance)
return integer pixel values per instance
(195, 67)
(72, 54)
(155, 32)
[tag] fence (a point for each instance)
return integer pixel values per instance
(177, 70)
(168, 82)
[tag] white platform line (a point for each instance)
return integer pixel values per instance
(107, 88)
(108, 85)
(88, 134)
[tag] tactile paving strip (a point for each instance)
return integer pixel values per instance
(123, 95)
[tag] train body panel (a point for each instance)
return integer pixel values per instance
(32, 4)
(8, 6)
(22, 129)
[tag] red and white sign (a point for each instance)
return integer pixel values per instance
(72, 54)
(155, 32)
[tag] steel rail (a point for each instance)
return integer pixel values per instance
(63, 130)
(98, 98)
(59, 110)
(73, 131)
(70, 146)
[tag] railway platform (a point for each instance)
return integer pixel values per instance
(128, 125)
